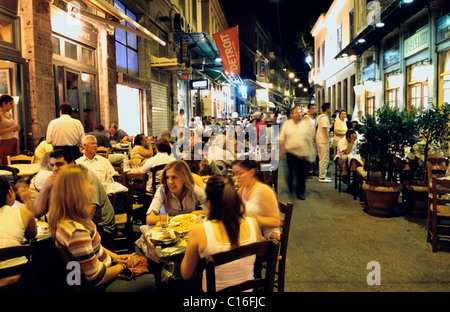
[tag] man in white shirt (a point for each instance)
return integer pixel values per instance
(65, 131)
(96, 163)
(297, 140)
(162, 157)
(180, 123)
(323, 141)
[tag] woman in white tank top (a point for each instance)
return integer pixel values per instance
(226, 228)
(259, 198)
(15, 225)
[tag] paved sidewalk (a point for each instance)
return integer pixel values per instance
(332, 240)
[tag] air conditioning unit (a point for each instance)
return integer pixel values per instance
(179, 23)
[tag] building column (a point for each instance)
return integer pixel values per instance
(39, 78)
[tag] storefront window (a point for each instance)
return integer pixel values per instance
(126, 44)
(5, 31)
(444, 77)
(370, 103)
(70, 50)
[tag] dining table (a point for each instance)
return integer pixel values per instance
(179, 225)
(26, 170)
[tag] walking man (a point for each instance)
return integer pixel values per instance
(296, 139)
(323, 142)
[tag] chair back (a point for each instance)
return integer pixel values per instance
(126, 219)
(267, 251)
(154, 171)
(66, 257)
(103, 151)
(14, 176)
(139, 180)
(26, 281)
(286, 210)
(20, 159)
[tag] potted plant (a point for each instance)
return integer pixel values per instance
(434, 131)
(387, 135)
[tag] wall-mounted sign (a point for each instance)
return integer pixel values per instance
(443, 28)
(391, 57)
(417, 42)
(200, 84)
(368, 72)
(262, 71)
(184, 77)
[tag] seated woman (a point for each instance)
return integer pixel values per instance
(72, 228)
(177, 193)
(140, 149)
(15, 225)
(260, 199)
(225, 229)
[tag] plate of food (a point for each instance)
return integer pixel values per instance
(167, 237)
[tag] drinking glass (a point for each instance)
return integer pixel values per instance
(164, 220)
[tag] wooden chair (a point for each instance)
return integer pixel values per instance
(338, 177)
(266, 250)
(20, 159)
(27, 280)
(66, 257)
(125, 220)
(103, 151)
(14, 176)
(438, 216)
(141, 198)
(154, 171)
(286, 210)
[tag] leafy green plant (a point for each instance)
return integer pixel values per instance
(387, 135)
(434, 127)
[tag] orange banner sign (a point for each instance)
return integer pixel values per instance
(227, 42)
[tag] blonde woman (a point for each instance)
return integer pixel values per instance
(177, 193)
(72, 229)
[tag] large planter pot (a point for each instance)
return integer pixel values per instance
(416, 199)
(382, 197)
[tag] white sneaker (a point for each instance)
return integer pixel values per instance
(325, 180)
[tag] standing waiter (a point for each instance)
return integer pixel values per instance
(65, 132)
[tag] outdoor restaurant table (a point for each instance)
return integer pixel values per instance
(159, 254)
(26, 170)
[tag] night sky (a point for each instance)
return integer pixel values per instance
(295, 16)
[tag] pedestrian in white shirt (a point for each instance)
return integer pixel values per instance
(297, 140)
(323, 141)
(65, 132)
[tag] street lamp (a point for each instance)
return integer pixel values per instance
(291, 75)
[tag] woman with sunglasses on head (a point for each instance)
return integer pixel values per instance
(8, 129)
(177, 193)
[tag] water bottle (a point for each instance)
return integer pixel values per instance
(126, 163)
(258, 153)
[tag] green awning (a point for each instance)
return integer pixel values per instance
(215, 75)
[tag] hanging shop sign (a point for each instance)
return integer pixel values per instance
(443, 28)
(227, 42)
(417, 42)
(200, 84)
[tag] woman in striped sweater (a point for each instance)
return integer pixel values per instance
(72, 229)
